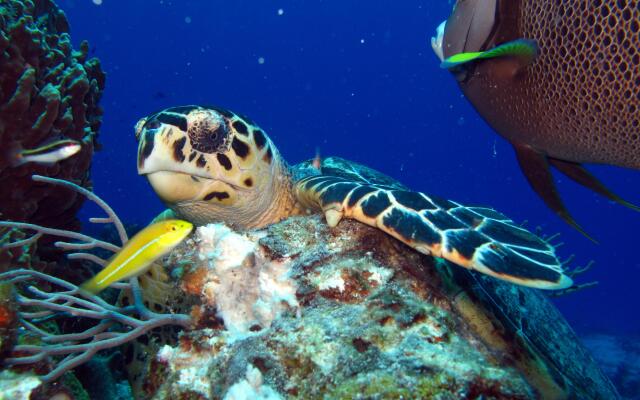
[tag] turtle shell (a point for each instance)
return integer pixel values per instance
(339, 167)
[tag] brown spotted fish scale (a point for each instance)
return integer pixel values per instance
(585, 86)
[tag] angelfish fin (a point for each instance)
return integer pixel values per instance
(535, 167)
(580, 175)
(526, 49)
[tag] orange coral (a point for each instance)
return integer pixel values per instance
(7, 317)
(193, 281)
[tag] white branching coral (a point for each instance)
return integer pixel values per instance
(246, 287)
(251, 388)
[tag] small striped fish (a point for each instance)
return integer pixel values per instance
(47, 154)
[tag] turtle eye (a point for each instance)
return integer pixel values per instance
(208, 132)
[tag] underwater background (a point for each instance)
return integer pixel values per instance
(357, 80)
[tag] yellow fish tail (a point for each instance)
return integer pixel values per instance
(92, 286)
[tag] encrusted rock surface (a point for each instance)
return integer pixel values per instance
(17, 386)
(8, 319)
(18, 256)
(304, 311)
(48, 91)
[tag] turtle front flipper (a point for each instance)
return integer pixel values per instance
(473, 237)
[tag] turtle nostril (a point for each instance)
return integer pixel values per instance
(153, 124)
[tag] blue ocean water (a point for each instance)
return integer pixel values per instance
(355, 79)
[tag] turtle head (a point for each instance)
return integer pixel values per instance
(209, 164)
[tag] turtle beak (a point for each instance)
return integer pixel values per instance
(164, 150)
(174, 187)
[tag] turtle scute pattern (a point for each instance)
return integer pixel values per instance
(473, 237)
(590, 52)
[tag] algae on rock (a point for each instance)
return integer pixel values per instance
(362, 323)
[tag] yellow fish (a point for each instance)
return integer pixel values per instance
(140, 252)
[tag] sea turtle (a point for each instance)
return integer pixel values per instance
(209, 164)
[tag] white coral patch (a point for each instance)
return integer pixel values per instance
(251, 388)
(222, 247)
(333, 281)
(379, 275)
(245, 286)
(192, 368)
(332, 276)
(17, 386)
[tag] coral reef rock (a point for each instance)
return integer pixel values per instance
(8, 318)
(21, 256)
(48, 92)
(300, 310)
(17, 386)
